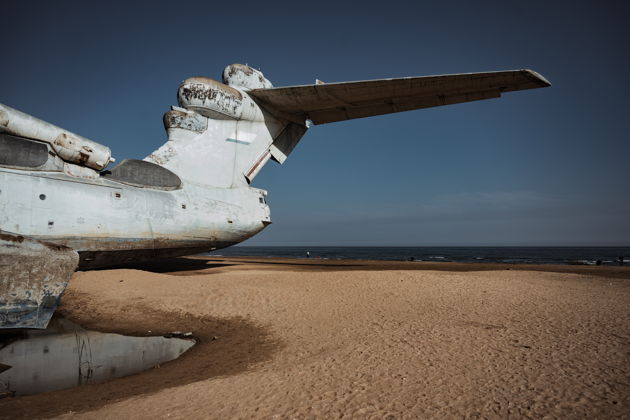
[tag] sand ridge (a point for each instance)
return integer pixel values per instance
(327, 341)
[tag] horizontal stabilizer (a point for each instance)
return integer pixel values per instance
(330, 102)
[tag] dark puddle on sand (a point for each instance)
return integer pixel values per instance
(65, 355)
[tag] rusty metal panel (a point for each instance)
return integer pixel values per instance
(186, 120)
(73, 149)
(33, 275)
(245, 77)
(213, 99)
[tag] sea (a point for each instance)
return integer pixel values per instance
(475, 254)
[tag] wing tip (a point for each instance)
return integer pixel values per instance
(537, 77)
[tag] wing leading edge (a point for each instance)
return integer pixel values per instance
(326, 103)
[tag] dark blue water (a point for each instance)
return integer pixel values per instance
(515, 255)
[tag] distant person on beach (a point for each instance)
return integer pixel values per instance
(308, 254)
(620, 260)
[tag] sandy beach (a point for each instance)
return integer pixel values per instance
(283, 338)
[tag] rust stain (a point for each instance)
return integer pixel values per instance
(185, 120)
(55, 247)
(232, 69)
(34, 275)
(12, 238)
(75, 150)
(244, 76)
(4, 118)
(209, 95)
(205, 88)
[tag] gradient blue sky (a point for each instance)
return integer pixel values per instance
(540, 167)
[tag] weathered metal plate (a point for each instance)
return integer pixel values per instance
(143, 174)
(33, 275)
(330, 102)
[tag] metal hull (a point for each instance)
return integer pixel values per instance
(33, 274)
(62, 224)
(192, 194)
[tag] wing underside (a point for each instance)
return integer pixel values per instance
(325, 103)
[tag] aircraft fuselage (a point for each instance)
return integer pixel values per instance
(61, 208)
(110, 223)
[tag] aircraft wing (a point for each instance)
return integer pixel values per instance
(330, 102)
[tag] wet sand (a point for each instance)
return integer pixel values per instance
(282, 338)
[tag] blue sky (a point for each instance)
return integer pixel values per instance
(540, 167)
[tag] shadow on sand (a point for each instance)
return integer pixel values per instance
(188, 266)
(294, 263)
(178, 266)
(197, 265)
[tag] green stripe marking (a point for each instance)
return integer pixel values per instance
(237, 141)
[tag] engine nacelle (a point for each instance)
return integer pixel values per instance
(80, 151)
(245, 78)
(70, 147)
(215, 100)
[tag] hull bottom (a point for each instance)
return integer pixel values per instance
(30, 314)
(33, 275)
(109, 258)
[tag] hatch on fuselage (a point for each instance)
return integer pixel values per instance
(140, 173)
(34, 155)
(21, 153)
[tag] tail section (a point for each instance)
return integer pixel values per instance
(220, 136)
(224, 133)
